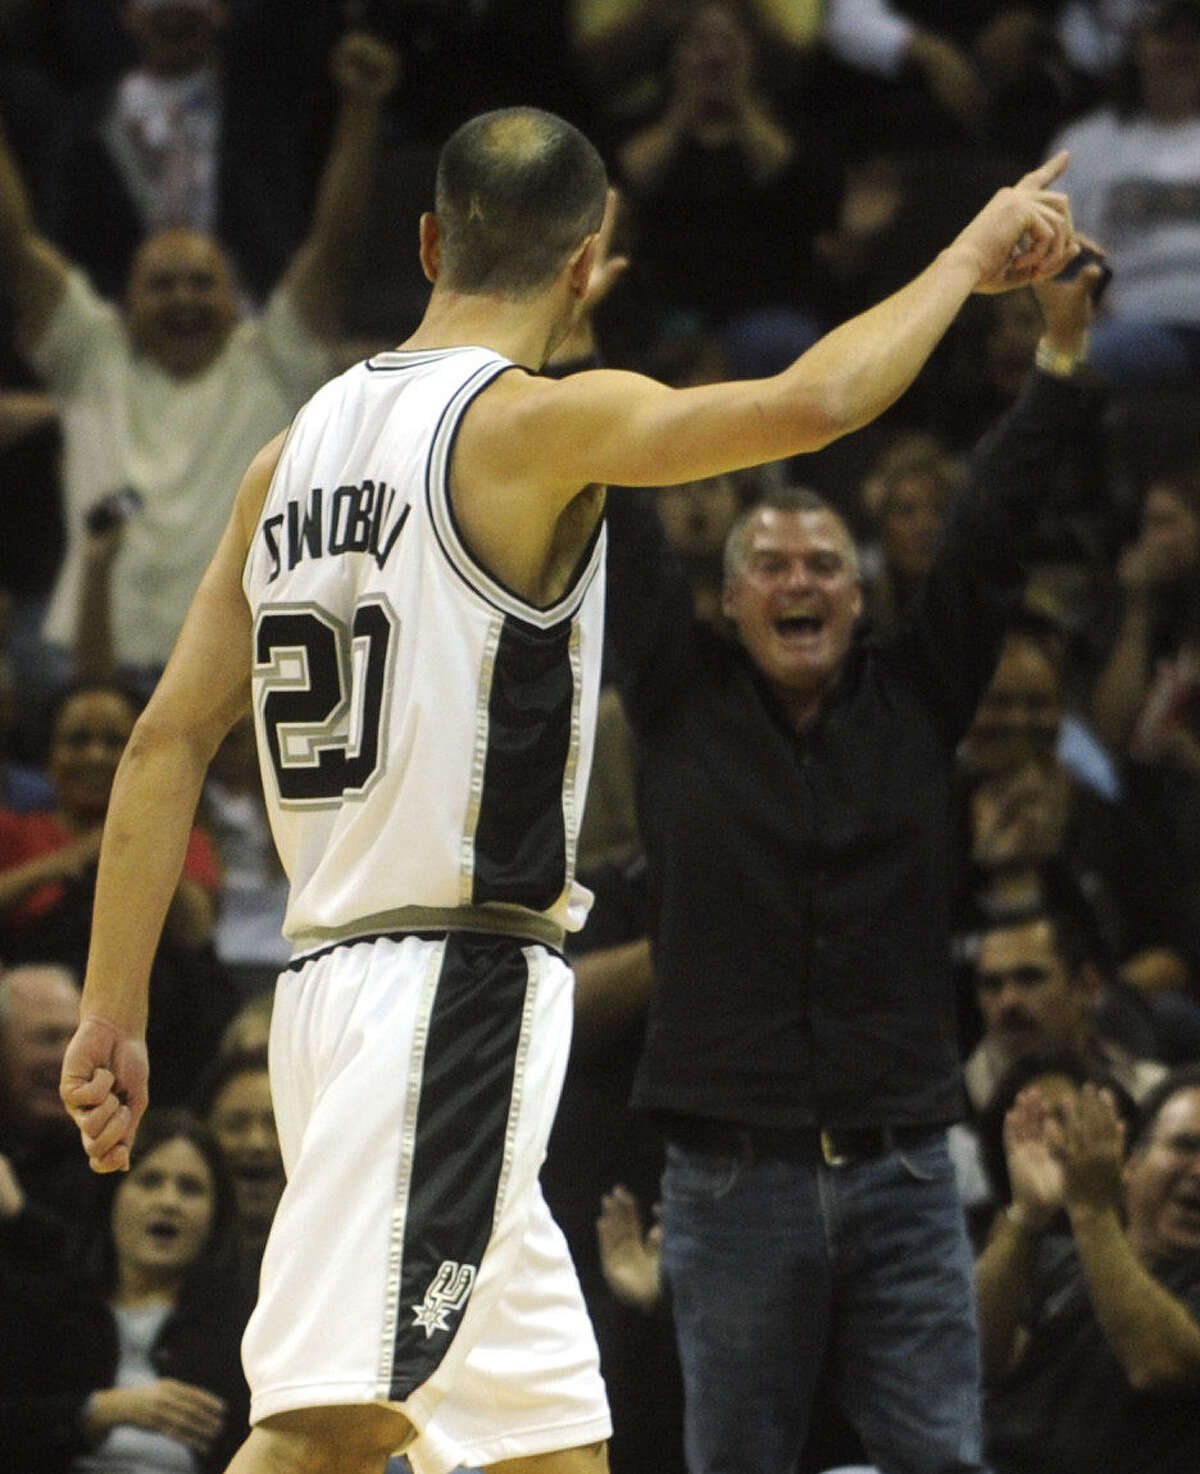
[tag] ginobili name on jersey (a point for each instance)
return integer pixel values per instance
(355, 519)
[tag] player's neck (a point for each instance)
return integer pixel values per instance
(521, 330)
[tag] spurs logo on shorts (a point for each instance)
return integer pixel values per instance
(448, 1291)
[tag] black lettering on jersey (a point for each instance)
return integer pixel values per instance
(304, 535)
(350, 520)
(270, 532)
(382, 555)
(358, 516)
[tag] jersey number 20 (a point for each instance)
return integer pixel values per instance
(323, 709)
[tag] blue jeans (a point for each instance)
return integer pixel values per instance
(778, 1269)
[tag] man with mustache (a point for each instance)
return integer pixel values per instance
(1036, 985)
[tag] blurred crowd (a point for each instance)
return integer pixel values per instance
(207, 207)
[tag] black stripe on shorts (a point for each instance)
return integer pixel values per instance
(470, 1068)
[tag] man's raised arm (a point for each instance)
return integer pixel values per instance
(625, 430)
(203, 691)
(32, 273)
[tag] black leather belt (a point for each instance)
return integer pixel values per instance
(835, 1146)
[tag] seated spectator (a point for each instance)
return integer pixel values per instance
(174, 395)
(1058, 1076)
(1091, 1343)
(23, 787)
(1135, 185)
(39, 1011)
(907, 494)
(196, 133)
(252, 899)
(1146, 695)
(47, 881)
(1037, 789)
(1144, 698)
(249, 1030)
(1095, 33)
(129, 1360)
(46, 857)
(881, 40)
(235, 1100)
(1038, 988)
(715, 158)
(615, 43)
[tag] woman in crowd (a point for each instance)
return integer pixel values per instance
(46, 858)
(128, 1362)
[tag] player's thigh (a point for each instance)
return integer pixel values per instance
(590, 1459)
(324, 1440)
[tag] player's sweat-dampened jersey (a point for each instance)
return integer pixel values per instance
(425, 734)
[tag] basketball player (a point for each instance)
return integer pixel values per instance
(409, 595)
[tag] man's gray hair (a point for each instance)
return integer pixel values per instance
(779, 499)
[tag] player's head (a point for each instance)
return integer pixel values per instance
(518, 192)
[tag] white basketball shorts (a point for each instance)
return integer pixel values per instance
(412, 1260)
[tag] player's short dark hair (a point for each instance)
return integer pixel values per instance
(517, 191)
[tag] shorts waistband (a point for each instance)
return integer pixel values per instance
(835, 1146)
(429, 922)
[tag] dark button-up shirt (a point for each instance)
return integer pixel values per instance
(800, 880)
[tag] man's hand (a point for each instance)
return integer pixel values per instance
(1019, 815)
(1092, 1152)
(1150, 562)
(1024, 233)
(178, 1410)
(103, 1086)
(629, 1258)
(607, 269)
(363, 67)
(1067, 306)
(1031, 1137)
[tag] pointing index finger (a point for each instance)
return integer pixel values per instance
(1048, 172)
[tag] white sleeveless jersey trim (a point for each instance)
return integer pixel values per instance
(390, 666)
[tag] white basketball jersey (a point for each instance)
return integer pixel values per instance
(425, 734)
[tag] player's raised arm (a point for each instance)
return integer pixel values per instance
(623, 429)
(203, 691)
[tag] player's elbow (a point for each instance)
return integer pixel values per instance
(159, 736)
(816, 419)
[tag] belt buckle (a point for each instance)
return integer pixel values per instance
(829, 1151)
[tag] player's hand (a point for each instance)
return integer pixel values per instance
(1024, 233)
(104, 1088)
(363, 67)
(178, 1410)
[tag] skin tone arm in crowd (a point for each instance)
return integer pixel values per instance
(531, 451)
(33, 273)
(1121, 687)
(1076, 1163)
(22, 412)
(613, 38)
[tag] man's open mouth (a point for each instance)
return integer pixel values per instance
(799, 625)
